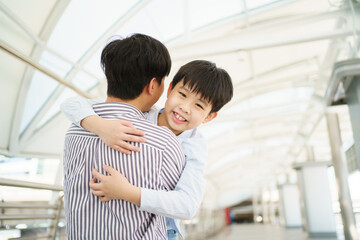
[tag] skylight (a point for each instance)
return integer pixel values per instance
(83, 23)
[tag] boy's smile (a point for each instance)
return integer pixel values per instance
(178, 118)
(184, 109)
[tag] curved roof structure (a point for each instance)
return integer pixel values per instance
(279, 53)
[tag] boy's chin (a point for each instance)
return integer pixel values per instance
(188, 128)
(177, 130)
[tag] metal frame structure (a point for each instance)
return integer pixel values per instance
(56, 210)
(227, 40)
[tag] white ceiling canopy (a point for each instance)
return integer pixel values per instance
(279, 54)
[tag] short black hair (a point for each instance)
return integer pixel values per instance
(130, 63)
(213, 83)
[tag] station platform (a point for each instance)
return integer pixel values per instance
(263, 232)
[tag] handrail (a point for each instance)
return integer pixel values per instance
(37, 237)
(25, 184)
(27, 205)
(57, 208)
(56, 220)
(26, 216)
(44, 70)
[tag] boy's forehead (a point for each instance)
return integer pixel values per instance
(192, 90)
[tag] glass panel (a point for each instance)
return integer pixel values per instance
(167, 17)
(203, 12)
(140, 23)
(84, 81)
(83, 22)
(41, 88)
(93, 65)
(28, 169)
(55, 64)
(272, 99)
(12, 72)
(18, 167)
(56, 106)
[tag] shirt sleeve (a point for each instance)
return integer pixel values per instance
(184, 201)
(172, 164)
(77, 108)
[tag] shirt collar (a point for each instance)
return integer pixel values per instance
(116, 108)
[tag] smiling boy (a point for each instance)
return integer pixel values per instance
(184, 109)
(198, 91)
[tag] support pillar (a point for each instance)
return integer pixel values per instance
(353, 101)
(255, 202)
(272, 205)
(316, 199)
(341, 174)
(264, 206)
(289, 200)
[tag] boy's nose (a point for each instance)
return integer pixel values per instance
(185, 107)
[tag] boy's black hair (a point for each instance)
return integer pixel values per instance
(130, 63)
(213, 83)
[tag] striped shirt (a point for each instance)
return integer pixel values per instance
(157, 166)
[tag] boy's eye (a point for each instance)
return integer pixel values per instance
(200, 106)
(182, 94)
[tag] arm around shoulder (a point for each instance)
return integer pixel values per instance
(77, 108)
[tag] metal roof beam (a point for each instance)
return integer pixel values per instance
(232, 42)
(234, 45)
(58, 9)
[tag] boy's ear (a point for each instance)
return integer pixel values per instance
(169, 89)
(152, 86)
(210, 117)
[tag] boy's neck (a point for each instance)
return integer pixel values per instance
(162, 122)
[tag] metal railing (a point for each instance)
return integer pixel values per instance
(55, 209)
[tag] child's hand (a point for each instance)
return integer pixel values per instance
(115, 133)
(115, 186)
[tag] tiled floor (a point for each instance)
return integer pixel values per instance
(261, 232)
